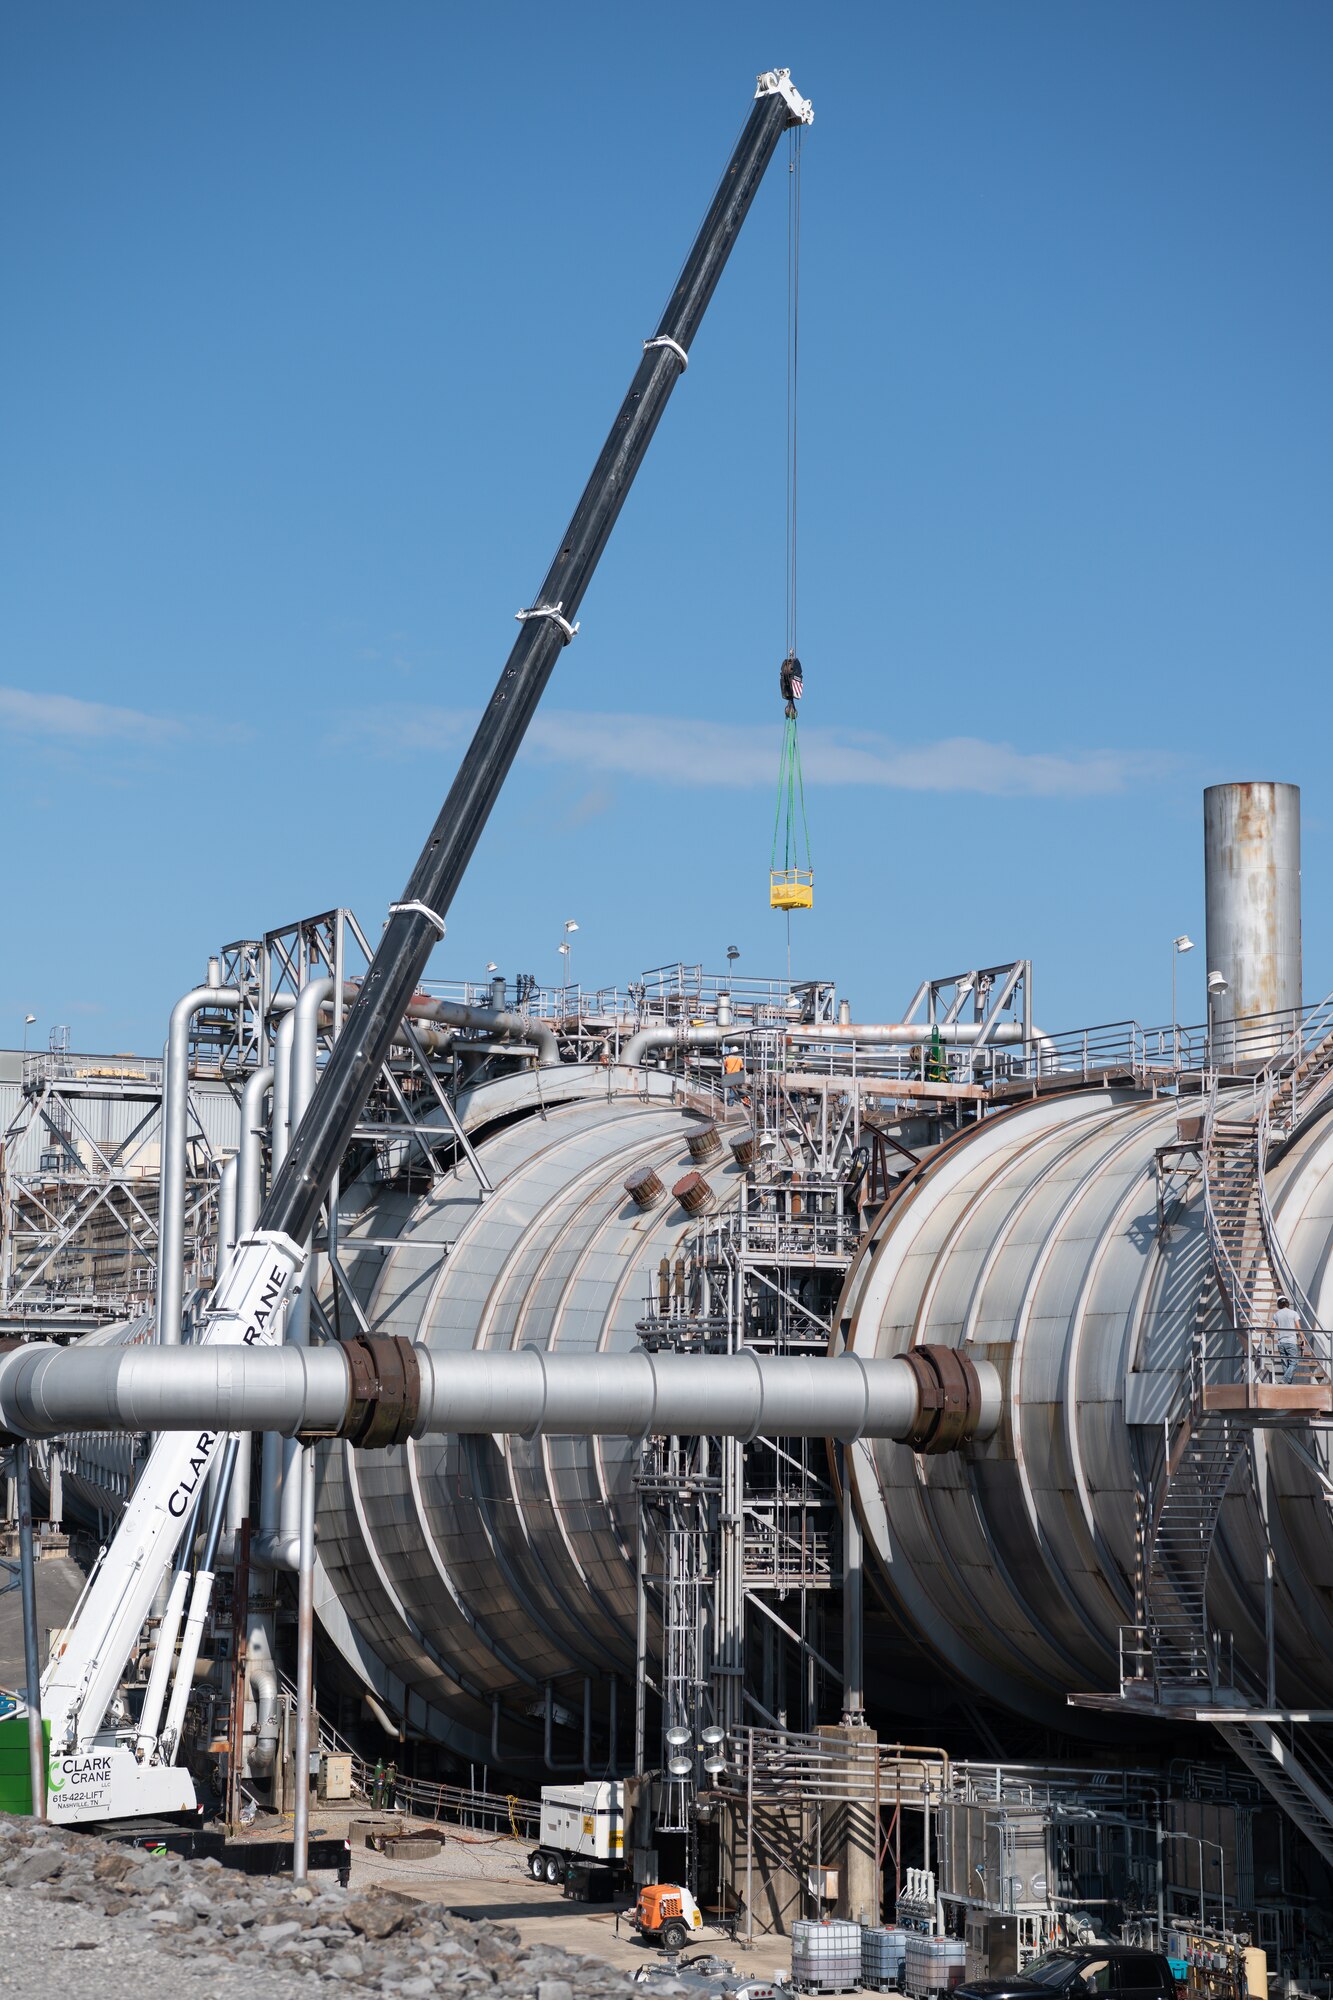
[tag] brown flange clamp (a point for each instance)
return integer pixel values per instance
(8, 1437)
(948, 1398)
(384, 1391)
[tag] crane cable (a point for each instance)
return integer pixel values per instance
(787, 889)
(793, 357)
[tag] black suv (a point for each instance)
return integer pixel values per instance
(1114, 1969)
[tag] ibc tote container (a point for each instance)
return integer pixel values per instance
(882, 1955)
(826, 1957)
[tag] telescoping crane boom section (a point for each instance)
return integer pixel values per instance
(256, 1282)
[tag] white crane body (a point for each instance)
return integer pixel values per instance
(96, 1771)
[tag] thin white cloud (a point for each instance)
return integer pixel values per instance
(64, 718)
(682, 750)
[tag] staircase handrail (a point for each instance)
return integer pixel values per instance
(1288, 1282)
(1232, 1286)
(329, 1737)
(1308, 1030)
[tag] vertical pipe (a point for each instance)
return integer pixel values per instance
(239, 1625)
(1252, 893)
(749, 1837)
(641, 1645)
(175, 1131)
(305, 1647)
(853, 1624)
(270, 1483)
(55, 1506)
(1161, 1874)
(250, 1156)
(32, 1672)
(249, 1198)
(227, 1194)
(304, 1074)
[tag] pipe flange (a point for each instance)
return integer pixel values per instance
(948, 1399)
(9, 1346)
(384, 1383)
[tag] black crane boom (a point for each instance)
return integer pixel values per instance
(417, 920)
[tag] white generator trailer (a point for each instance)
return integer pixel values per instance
(582, 1826)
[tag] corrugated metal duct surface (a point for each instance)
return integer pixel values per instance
(1035, 1240)
(455, 1569)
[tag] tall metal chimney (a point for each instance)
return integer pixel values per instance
(1252, 894)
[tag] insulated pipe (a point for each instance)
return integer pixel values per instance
(283, 1552)
(509, 1027)
(175, 1122)
(249, 1197)
(282, 1089)
(303, 1479)
(874, 1034)
(46, 1390)
(905, 1034)
(421, 1009)
(263, 1678)
(708, 1037)
(264, 1547)
(250, 1157)
(227, 1193)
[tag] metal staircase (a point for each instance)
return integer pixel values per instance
(1187, 1657)
(1288, 1781)
(1235, 1380)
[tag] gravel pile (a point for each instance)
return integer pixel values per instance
(142, 1924)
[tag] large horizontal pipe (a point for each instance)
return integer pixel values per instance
(908, 1034)
(497, 1021)
(703, 1036)
(381, 1391)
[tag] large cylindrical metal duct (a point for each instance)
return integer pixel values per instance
(1034, 1242)
(1252, 891)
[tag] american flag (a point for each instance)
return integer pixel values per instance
(797, 684)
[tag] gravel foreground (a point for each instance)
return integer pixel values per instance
(86, 1919)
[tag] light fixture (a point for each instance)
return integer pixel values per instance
(491, 965)
(712, 1734)
(563, 950)
(715, 1766)
(1178, 945)
(678, 1735)
(681, 1767)
(571, 925)
(1217, 983)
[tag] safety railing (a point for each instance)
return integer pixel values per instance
(463, 1805)
(772, 1765)
(1174, 1662)
(45, 1066)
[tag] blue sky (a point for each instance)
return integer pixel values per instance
(315, 320)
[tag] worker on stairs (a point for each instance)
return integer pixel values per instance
(1287, 1327)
